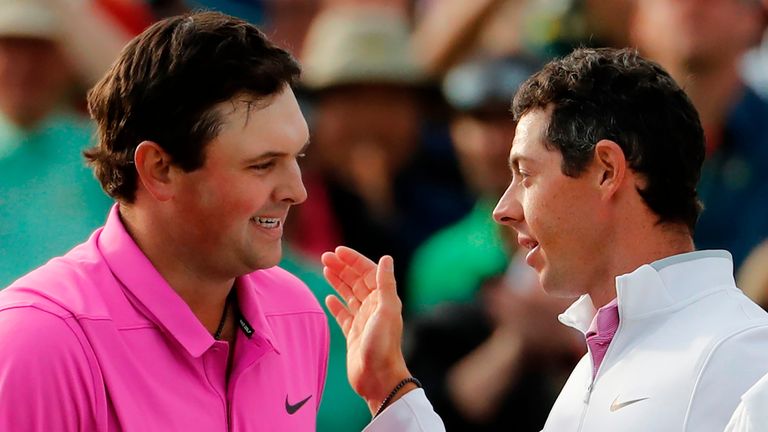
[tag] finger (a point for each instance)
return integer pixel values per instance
(329, 259)
(347, 293)
(355, 259)
(361, 284)
(353, 304)
(344, 290)
(385, 275)
(354, 269)
(340, 313)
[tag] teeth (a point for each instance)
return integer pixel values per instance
(267, 222)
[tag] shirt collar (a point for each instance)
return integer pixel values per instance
(601, 321)
(251, 295)
(656, 287)
(160, 301)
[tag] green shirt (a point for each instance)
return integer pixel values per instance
(451, 265)
(49, 199)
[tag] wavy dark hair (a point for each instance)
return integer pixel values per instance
(164, 87)
(616, 94)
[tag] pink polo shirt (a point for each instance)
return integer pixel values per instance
(97, 340)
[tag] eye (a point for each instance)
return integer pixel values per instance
(263, 166)
(520, 176)
(517, 174)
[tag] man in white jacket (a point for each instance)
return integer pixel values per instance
(605, 163)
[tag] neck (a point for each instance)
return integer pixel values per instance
(634, 248)
(204, 294)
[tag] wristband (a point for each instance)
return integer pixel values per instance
(394, 391)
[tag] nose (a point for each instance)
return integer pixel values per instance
(508, 210)
(293, 190)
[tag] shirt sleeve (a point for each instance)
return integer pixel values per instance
(410, 413)
(752, 413)
(46, 383)
(734, 366)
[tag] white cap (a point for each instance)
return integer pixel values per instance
(358, 45)
(28, 19)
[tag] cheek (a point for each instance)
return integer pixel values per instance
(221, 197)
(545, 210)
(241, 198)
(559, 218)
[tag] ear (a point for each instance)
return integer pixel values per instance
(610, 167)
(153, 165)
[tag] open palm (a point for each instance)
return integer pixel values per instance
(370, 318)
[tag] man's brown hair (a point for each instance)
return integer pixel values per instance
(606, 93)
(165, 84)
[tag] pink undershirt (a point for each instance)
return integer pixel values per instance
(601, 333)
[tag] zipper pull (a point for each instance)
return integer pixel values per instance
(587, 394)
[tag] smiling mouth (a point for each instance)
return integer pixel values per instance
(266, 222)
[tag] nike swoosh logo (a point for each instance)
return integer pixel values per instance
(617, 406)
(291, 409)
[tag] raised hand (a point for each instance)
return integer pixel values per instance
(370, 317)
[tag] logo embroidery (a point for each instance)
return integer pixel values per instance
(291, 409)
(617, 406)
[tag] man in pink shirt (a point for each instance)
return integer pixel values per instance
(173, 316)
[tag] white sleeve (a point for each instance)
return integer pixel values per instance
(410, 413)
(752, 413)
(734, 366)
(739, 421)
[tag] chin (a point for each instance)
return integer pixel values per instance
(267, 259)
(559, 287)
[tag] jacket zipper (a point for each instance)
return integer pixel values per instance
(588, 394)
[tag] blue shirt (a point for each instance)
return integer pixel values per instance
(734, 182)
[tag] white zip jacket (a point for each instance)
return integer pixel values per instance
(689, 344)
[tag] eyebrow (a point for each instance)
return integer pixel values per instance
(514, 161)
(272, 154)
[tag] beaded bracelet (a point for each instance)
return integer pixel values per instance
(394, 391)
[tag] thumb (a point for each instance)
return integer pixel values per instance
(385, 275)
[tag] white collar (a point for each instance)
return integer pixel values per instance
(661, 286)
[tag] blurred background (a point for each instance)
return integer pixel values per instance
(408, 104)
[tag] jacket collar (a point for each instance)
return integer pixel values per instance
(659, 287)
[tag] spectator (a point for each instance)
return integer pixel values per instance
(451, 265)
(366, 183)
(49, 200)
(485, 364)
(701, 44)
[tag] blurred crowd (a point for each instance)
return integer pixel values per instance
(407, 102)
